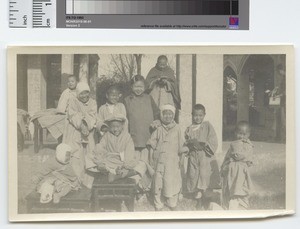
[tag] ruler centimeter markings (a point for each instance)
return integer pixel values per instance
(32, 13)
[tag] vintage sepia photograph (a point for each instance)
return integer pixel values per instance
(148, 132)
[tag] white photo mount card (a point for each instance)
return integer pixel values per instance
(151, 132)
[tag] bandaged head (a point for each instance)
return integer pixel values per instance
(168, 107)
(63, 152)
(82, 86)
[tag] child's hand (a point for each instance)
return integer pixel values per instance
(118, 170)
(84, 130)
(184, 150)
(193, 144)
(200, 146)
(238, 157)
(104, 128)
(155, 124)
(249, 163)
(97, 160)
(35, 179)
(101, 167)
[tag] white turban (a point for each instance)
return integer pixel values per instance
(82, 86)
(168, 107)
(61, 151)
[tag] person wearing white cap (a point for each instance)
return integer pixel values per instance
(165, 146)
(79, 129)
(115, 154)
(56, 177)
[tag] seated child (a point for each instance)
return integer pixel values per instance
(79, 129)
(115, 153)
(67, 94)
(56, 177)
(165, 146)
(202, 167)
(111, 108)
(237, 183)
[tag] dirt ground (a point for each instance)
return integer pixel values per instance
(268, 175)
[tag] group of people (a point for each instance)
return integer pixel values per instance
(140, 139)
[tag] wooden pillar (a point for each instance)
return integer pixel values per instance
(185, 73)
(36, 73)
(22, 90)
(194, 79)
(93, 73)
(242, 97)
(210, 90)
(67, 68)
(279, 112)
(84, 68)
(178, 82)
(259, 95)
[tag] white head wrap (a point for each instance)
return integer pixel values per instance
(82, 86)
(61, 151)
(168, 107)
(46, 190)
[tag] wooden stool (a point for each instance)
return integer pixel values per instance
(75, 201)
(113, 194)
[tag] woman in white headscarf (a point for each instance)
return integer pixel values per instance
(79, 130)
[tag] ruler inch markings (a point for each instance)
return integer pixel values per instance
(32, 13)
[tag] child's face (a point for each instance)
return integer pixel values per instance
(198, 116)
(243, 132)
(116, 127)
(138, 87)
(84, 96)
(167, 117)
(113, 96)
(72, 83)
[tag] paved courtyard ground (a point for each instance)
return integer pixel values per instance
(268, 174)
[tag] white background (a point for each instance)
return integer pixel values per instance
(271, 22)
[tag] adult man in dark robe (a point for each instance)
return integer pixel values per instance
(162, 84)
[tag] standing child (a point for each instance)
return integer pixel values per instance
(202, 168)
(237, 183)
(79, 130)
(111, 108)
(141, 112)
(67, 94)
(165, 145)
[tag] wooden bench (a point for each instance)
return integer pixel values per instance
(109, 196)
(75, 201)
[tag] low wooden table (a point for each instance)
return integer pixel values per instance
(111, 195)
(75, 201)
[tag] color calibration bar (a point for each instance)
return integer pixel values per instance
(154, 14)
(153, 7)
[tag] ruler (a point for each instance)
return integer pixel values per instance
(32, 13)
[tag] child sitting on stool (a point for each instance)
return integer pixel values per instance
(115, 153)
